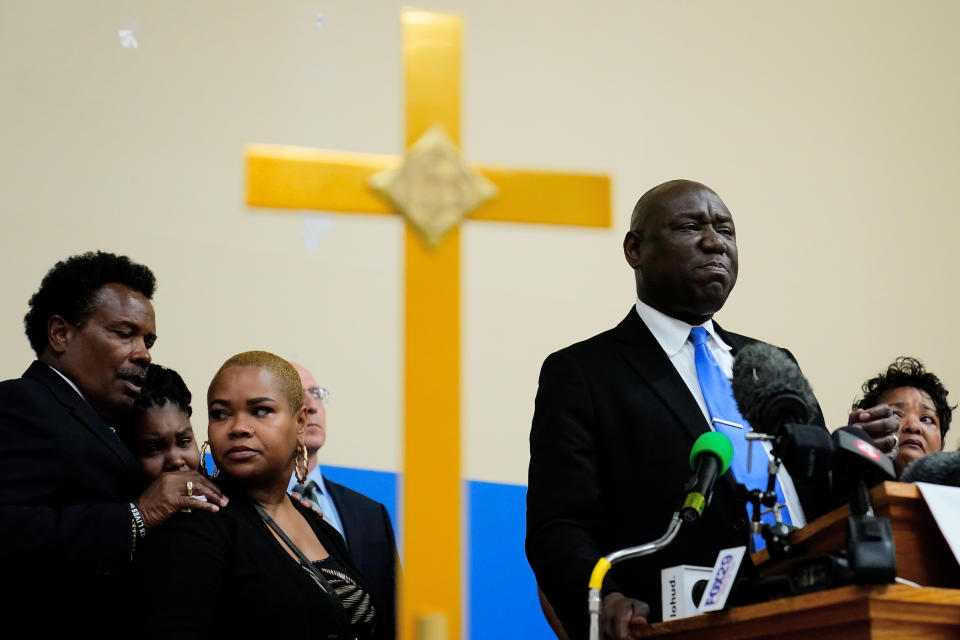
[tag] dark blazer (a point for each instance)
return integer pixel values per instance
(609, 448)
(372, 545)
(223, 575)
(66, 482)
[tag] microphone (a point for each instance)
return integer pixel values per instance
(776, 400)
(770, 390)
(709, 458)
(859, 465)
(856, 456)
(936, 468)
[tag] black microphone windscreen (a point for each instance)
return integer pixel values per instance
(856, 432)
(856, 453)
(770, 389)
(936, 468)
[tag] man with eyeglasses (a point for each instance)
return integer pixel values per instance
(364, 523)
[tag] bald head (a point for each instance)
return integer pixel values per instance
(682, 246)
(315, 433)
(651, 200)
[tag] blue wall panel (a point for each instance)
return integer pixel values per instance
(379, 485)
(503, 592)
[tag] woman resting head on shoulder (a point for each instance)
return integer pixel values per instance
(919, 400)
(264, 565)
(159, 432)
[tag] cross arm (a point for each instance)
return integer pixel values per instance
(545, 197)
(303, 178)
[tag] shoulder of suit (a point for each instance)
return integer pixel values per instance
(736, 340)
(31, 398)
(740, 340)
(38, 381)
(605, 339)
(21, 385)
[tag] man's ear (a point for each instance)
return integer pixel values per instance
(59, 332)
(632, 248)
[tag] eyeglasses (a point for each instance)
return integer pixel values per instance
(320, 393)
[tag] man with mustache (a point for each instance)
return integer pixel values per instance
(616, 416)
(73, 505)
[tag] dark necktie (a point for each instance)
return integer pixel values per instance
(311, 491)
(726, 418)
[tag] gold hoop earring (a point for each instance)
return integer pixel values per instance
(300, 466)
(203, 458)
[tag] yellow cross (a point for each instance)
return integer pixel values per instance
(299, 178)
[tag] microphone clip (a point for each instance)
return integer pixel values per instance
(764, 502)
(755, 436)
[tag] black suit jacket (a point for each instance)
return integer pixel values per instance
(609, 448)
(372, 545)
(66, 482)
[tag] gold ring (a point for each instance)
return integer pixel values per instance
(189, 487)
(896, 441)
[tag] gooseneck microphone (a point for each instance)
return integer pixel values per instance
(936, 468)
(709, 459)
(770, 390)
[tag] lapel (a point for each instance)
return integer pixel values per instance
(735, 341)
(346, 515)
(646, 357)
(81, 410)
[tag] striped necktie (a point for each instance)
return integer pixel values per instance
(311, 491)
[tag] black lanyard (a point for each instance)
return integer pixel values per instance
(304, 562)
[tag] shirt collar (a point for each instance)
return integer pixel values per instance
(68, 381)
(671, 333)
(317, 476)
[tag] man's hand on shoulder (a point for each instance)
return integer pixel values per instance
(620, 616)
(168, 494)
(880, 423)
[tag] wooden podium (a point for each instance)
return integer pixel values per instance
(852, 612)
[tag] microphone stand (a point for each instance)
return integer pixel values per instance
(603, 566)
(776, 535)
(870, 546)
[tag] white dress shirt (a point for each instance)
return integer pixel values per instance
(673, 337)
(68, 381)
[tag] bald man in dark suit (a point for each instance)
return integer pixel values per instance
(616, 416)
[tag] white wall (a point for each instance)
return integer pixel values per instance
(830, 129)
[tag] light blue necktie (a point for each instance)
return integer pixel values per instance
(726, 419)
